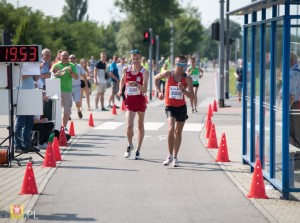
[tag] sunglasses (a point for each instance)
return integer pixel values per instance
(181, 64)
(71, 58)
(135, 51)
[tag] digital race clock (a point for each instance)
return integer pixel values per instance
(20, 53)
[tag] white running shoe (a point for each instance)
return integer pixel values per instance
(137, 155)
(175, 162)
(168, 160)
(127, 154)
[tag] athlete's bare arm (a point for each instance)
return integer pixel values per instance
(164, 74)
(189, 92)
(122, 81)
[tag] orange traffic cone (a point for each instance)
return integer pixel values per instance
(208, 117)
(114, 110)
(91, 121)
(29, 184)
(62, 137)
(215, 108)
(49, 159)
(212, 141)
(71, 130)
(208, 128)
(56, 150)
(223, 152)
(257, 188)
(123, 107)
(209, 112)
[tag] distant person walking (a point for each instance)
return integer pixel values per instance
(195, 73)
(177, 82)
(135, 78)
(239, 79)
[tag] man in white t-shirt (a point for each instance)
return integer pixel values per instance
(100, 81)
(76, 89)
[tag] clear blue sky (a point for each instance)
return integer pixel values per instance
(104, 11)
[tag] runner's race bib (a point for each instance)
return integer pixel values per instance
(132, 90)
(194, 77)
(175, 93)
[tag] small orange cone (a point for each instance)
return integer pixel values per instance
(49, 159)
(209, 112)
(91, 121)
(56, 150)
(114, 110)
(29, 184)
(212, 141)
(208, 128)
(223, 152)
(257, 188)
(215, 108)
(123, 107)
(71, 130)
(62, 140)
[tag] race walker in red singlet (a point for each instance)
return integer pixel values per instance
(135, 100)
(175, 99)
(174, 96)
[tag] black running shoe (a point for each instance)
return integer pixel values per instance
(137, 155)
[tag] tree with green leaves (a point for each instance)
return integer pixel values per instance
(145, 14)
(188, 32)
(75, 10)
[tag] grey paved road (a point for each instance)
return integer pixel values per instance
(95, 183)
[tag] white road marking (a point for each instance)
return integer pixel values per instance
(153, 125)
(205, 103)
(192, 127)
(150, 126)
(109, 125)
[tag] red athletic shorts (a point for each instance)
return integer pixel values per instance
(136, 104)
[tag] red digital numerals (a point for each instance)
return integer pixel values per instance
(19, 53)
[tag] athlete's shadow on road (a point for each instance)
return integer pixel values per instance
(185, 165)
(95, 168)
(101, 137)
(64, 217)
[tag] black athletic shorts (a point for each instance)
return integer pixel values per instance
(179, 113)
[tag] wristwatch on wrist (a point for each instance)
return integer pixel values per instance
(183, 90)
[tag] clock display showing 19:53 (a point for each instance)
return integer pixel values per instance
(19, 53)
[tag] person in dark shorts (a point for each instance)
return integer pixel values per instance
(178, 86)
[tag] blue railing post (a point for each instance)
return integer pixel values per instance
(262, 71)
(285, 100)
(273, 92)
(245, 70)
